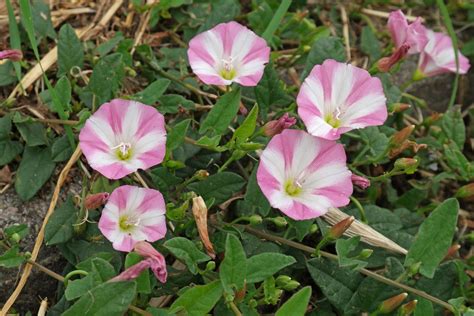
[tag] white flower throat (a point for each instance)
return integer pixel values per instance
(123, 150)
(227, 68)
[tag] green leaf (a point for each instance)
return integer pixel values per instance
(176, 135)
(198, 300)
(370, 44)
(222, 113)
(143, 280)
(344, 248)
(60, 226)
(70, 50)
(276, 20)
(5, 127)
(21, 229)
(107, 78)
(185, 250)
(107, 46)
(428, 250)
(153, 92)
(221, 11)
(170, 103)
(456, 160)
(112, 298)
(99, 270)
(61, 150)
(7, 73)
(297, 304)
(261, 266)
(63, 89)
(11, 258)
(337, 284)
(376, 141)
(42, 19)
(15, 39)
(453, 127)
(233, 270)
(254, 196)
(220, 186)
(270, 92)
(33, 133)
(324, 48)
(9, 150)
(247, 128)
(36, 167)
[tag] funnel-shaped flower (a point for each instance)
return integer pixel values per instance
(12, 54)
(156, 259)
(336, 98)
(133, 214)
(228, 53)
(413, 34)
(123, 136)
(303, 175)
(438, 57)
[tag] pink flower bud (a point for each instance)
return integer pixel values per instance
(392, 303)
(275, 127)
(156, 260)
(338, 229)
(132, 272)
(386, 63)
(12, 54)
(360, 182)
(95, 200)
(466, 192)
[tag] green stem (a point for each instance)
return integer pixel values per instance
(366, 272)
(361, 209)
(419, 101)
(73, 273)
(276, 20)
(235, 309)
(226, 164)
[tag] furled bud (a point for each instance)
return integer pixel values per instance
(338, 229)
(11, 54)
(408, 308)
(386, 63)
(398, 107)
(279, 221)
(452, 251)
(201, 174)
(365, 254)
(408, 165)
(275, 127)
(282, 280)
(401, 136)
(96, 200)
(255, 219)
(156, 260)
(132, 272)
(291, 285)
(466, 192)
(360, 182)
(392, 303)
(210, 266)
(200, 216)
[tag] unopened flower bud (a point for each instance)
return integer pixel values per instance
(386, 63)
(242, 109)
(313, 228)
(408, 308)
(275, 127)
(360, 182)
(338, 229)
(96, 200)
(201, 174)
(291, 285)
(282, 280)
(255, 219)
(11, 54)
(365, 254)
(210, 266)
(398, 107)
(392, 303)
(452, 251)
(401, 136)
(156, 260)
(200, 216)
(414, 268)
(253, 303)
(418, 75)
(15, 237)
(408, 165)
(466, 192)
(279, 221)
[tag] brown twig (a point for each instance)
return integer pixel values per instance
(381, 14)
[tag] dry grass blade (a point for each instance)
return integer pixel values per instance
(39, 239)
(381, 14)
(367, 233)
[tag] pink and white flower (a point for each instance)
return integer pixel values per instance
(133, 214)
(337, 97)
(228, 53)
(413, 34)
(303, 175)
(12, 54)
(438, 57)
(123, 136)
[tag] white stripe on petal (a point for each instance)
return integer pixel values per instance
(327, 175)
(130, 122)
(134, 199)
(341, 84)
(214, 45)
(101, 159)
(148, 142)
(314, 202)
(314, 91)
(242, 45)
(305, 150)
(362, 107)
(274, 162)
(281, 200)
(102, 129)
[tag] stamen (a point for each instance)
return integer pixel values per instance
(228, 72)
(124, 150)
(127, 223)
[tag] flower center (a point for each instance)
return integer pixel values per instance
(293, 187)
(128, 223)
(227, 72)
(123, 151)
(334, 118)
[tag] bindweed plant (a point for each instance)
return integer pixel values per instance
(241, 158)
